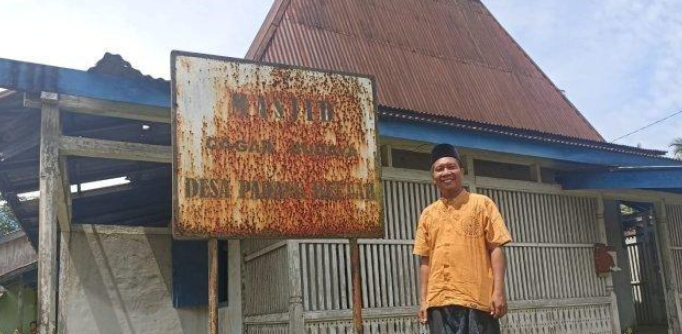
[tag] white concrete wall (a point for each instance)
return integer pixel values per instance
(117, 280)
(231, 318)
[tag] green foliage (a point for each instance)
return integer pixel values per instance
(8, 223)
(677, 147)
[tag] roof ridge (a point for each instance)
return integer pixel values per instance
(267, 30)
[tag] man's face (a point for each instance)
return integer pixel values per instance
(34, 326)
(447, 174)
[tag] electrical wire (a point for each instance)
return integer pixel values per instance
(648, 125)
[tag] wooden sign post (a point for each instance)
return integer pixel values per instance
(213, 286)
(357, 286)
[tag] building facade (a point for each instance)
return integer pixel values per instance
(446, 71)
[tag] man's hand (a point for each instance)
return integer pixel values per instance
(498, 302)
(498, 305)
(424, 272)
(423, 314)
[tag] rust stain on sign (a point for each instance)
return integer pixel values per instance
(265, 150)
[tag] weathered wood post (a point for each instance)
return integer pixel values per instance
(668, 275)
(47, 224)
(357, 286)
(296, 322)
(603, 238)
(20, 304)
(213, 286)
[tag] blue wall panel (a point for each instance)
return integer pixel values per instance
(666, 179)
(435, 133)
(190, 273)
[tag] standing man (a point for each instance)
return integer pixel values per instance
(460, 239)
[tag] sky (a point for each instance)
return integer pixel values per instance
(618, 61)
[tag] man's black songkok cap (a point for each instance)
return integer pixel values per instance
(444, 150)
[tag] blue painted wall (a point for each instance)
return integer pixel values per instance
(190, 273)
(669, 179)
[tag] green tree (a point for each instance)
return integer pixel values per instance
(8, 223)
(677, 147)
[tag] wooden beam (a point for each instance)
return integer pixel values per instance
(62, 196)
(536, 173)
(90, 106)
(264, 251)
(20, 305)
(603, 238)
(386, 155)
(65, 201)
(470, 174)
(107, 149)
(213, 286)
(357, 286)
(47, 224)
(296, 311)
(121, 229)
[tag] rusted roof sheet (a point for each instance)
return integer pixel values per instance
(440, 57)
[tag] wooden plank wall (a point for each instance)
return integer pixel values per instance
(266, 281)
(16, 253)
(552, 284)
(553, 230)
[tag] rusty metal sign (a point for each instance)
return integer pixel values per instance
(264, 150)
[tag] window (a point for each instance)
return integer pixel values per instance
(502, 170)
(190, 273)
(411, 160)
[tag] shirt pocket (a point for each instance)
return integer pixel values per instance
(471, 225)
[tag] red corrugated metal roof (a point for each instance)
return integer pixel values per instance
(441, 57)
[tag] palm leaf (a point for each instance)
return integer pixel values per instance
(677, 147)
